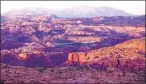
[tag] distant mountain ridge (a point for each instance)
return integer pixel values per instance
(88, 11)
(29, 11)
(74, 12)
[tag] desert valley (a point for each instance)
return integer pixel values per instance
(39, 47)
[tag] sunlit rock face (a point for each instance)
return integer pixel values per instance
(23, 56)
(76, 57)
(127, 55)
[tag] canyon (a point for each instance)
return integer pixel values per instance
(44, 44)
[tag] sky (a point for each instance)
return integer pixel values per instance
(132, 7)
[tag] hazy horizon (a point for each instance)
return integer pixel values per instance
(132, 7)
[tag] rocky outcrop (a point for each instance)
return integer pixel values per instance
(33, 58)
(44, 18)
(41, 18)
(76, 57)
(128, 55)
